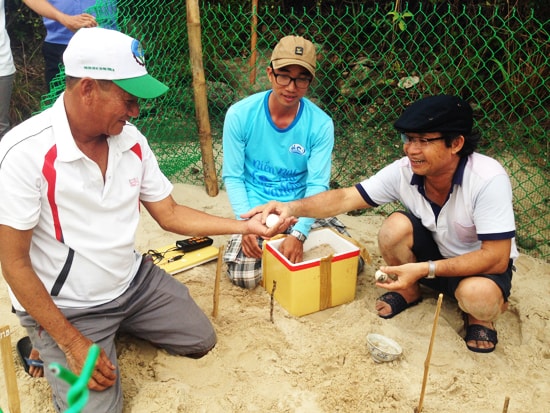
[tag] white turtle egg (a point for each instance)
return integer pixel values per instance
(271, 220)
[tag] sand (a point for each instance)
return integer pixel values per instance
(319, 362)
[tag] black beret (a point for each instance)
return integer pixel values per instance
(441, 113)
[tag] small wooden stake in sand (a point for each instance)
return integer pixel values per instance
(217, 281)
(14, 405)
(505, 408)
(272, 303)
(427, 362)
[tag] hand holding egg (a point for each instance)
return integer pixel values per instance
(272, 220)
(381, 276)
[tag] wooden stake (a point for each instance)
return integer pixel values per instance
(14, 404)
(506, 401)
(272, 302)
(217, 281)
(428, 357)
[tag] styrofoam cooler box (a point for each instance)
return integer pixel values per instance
(316, 284)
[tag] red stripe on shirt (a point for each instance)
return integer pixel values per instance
(137, 150)
(48, 170)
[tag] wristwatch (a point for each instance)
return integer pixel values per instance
(431, 269)
(301, 237)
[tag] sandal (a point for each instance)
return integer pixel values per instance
(24, 348)
(396, 302)
(477, 332)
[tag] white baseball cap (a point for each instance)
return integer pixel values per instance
(106, 54)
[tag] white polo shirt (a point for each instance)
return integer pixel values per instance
(479, 206)
(83, 228)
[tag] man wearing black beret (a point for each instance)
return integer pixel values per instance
(457, 234)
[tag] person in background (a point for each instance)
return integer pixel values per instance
(61, 19)
(457, 234)
(7, 73)
(277, 144)
(68, 221)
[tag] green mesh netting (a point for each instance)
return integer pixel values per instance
(372, 63)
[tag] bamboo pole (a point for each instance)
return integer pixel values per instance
(14, 405)
(253, 42)
(428, 357)
(217, 282)
(201, 100)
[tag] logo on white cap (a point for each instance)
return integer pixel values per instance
(137, 51)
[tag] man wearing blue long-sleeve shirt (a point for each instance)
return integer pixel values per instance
(277, 144)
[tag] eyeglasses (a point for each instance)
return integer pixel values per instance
(422, 142)
(284, 80)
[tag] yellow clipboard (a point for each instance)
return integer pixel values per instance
(175, 260)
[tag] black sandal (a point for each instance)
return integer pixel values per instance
(24, 348)
(477, 332)
(396, 302)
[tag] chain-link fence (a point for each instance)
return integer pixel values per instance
(372, 63)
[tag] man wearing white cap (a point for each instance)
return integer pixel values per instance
(277, 144)
(72, 179)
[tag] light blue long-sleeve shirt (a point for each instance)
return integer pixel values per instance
(262, 162)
